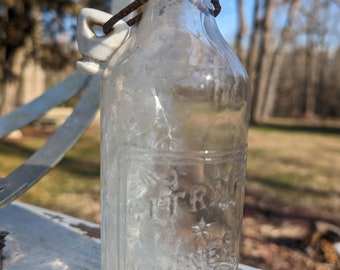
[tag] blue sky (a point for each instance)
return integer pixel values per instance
(227, 19)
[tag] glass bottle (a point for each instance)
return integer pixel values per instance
(175, 109)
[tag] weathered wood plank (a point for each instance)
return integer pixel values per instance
(26, 175)
(41, 239)
(36, 108)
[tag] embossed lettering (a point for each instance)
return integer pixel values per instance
(197, 198)
(175, 197)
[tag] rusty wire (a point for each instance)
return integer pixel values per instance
(108, 26)
(217, 7)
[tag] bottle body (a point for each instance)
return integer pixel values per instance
(174, 133)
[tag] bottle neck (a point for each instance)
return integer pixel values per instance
(184, 13)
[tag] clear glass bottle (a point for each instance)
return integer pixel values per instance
(175, 109)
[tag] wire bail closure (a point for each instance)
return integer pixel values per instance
(108, 26)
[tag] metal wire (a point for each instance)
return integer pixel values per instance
(108, 26)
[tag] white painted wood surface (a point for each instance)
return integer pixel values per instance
(41, 239)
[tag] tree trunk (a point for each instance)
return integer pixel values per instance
(11, 84)
(277, 60)
(33, 77)
(262, 65)
(310, 83)
(252, 55)
(33, 81)
(240, 29)
(315, 35)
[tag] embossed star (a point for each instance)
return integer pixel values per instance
(202, 229)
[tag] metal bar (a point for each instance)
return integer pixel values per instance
(55, 148)
(31, 111)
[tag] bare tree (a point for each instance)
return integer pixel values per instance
(240, 29)
(252, 54)
(20, 42)
(255, 28)
(315, 33)
(13, 31)
(33, 75)
(277, 59)
(262, 61)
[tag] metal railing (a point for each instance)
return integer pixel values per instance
(44, 159)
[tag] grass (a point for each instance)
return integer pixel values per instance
(298, 165)
(73, 186)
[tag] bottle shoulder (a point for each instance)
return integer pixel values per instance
(182, 54)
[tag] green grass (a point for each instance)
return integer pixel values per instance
(73, 186)
(300, 166)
